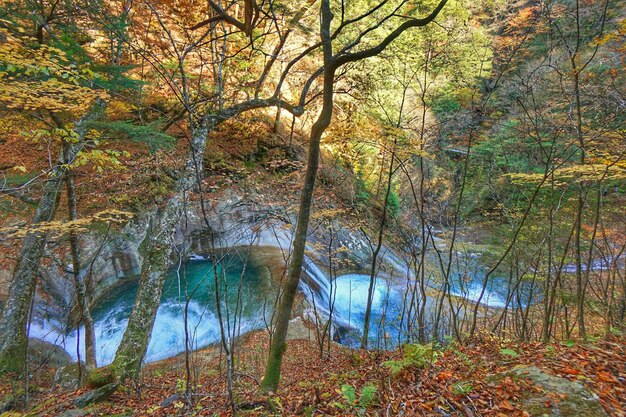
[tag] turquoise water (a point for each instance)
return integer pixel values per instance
(247, 293)
(253, 301)
(346, 298)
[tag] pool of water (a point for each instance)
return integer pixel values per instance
(247, 293)
(250, 298)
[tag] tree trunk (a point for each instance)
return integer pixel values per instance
(134, 344)
(376, 251)
(16, 311)
(82, 300)
(331, 63)
(278, 346)
(15, 316)
(580, 206)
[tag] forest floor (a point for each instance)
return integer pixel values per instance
(458, 380)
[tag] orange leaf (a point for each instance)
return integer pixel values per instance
(443, 376)
(506, 405)
(571, 371)
(605, 377)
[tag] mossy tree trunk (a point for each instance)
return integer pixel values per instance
(13, 332)
(157, 253)
(272, 371)
(15, 316)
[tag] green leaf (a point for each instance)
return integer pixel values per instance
(150, 134)
(368, 395)
(349, 393)
(569, 343)
(509, 352)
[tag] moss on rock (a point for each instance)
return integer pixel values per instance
(100, 377)
(574, 398)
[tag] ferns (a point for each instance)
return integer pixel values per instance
(365, 400)
(415, 356)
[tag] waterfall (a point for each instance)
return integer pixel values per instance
(319, 279)
(318, 288)
(346, 297)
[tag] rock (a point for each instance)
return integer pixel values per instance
(100, 377)
(577, 400)
(297, 330)
(95, 396)
(75, 412)
(171, 400)
(66, 376)
(42, 353)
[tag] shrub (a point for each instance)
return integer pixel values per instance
(415, 356)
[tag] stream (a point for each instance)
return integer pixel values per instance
(251, 293)
(345, 298)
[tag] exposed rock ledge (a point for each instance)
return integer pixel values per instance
(112, 260)
(556, 396)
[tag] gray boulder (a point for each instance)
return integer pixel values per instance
(67, 377)
(574, 400)
(297, 330)
(95, 396)
(45, 354)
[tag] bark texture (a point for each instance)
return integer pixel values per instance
(15, 316)
(272, 371)
(158, 250)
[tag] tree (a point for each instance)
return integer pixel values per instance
(50, 82)
(332, 62)
(39, 78)
(202, 118)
